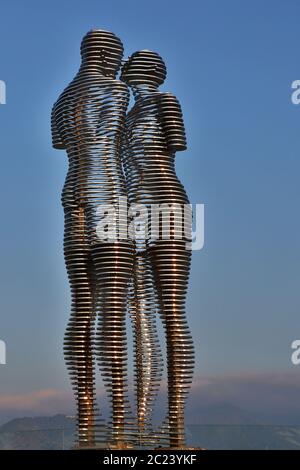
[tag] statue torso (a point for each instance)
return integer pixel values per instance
(90, 116)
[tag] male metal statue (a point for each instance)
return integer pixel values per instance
(87, 121)
(154, 132)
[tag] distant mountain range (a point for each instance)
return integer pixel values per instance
(244, 437)
(55, 432)
(222, 427)
(222, 413)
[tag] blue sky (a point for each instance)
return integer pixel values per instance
(231, 64)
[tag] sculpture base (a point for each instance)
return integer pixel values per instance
(183, 448)
(123, 446)
(106, 446)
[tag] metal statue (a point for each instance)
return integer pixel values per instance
(111, 157)
(87, 121)
(154, 132)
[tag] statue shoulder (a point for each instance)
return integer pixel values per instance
(114, 87)
(121, 87)
(172, 120)
(168, 100)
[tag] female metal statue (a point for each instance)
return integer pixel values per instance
(154, 132)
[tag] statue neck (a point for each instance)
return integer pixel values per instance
(142, 91)
(93, 66)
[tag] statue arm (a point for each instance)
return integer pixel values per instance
(110, 116)
(172, 122)
(57, 141)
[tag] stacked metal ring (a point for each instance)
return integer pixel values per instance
(87, 121)
(154, 131)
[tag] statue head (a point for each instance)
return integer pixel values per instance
(144, 68)
(102, 50)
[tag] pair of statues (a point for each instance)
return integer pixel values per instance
(115, 155)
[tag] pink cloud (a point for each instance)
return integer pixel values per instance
(37, 400)
(273, 394)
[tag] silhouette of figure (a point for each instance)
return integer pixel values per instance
(87, 121)
(154, 132)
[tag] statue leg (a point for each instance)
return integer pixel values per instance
(171, 264)
(113, 265)
(147, 352)
(78, 342)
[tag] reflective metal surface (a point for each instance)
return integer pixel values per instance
(87, 121)
(148, 278)
(154, 131)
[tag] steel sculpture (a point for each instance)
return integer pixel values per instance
(154, 132)
(87, 121)
(109, 278)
